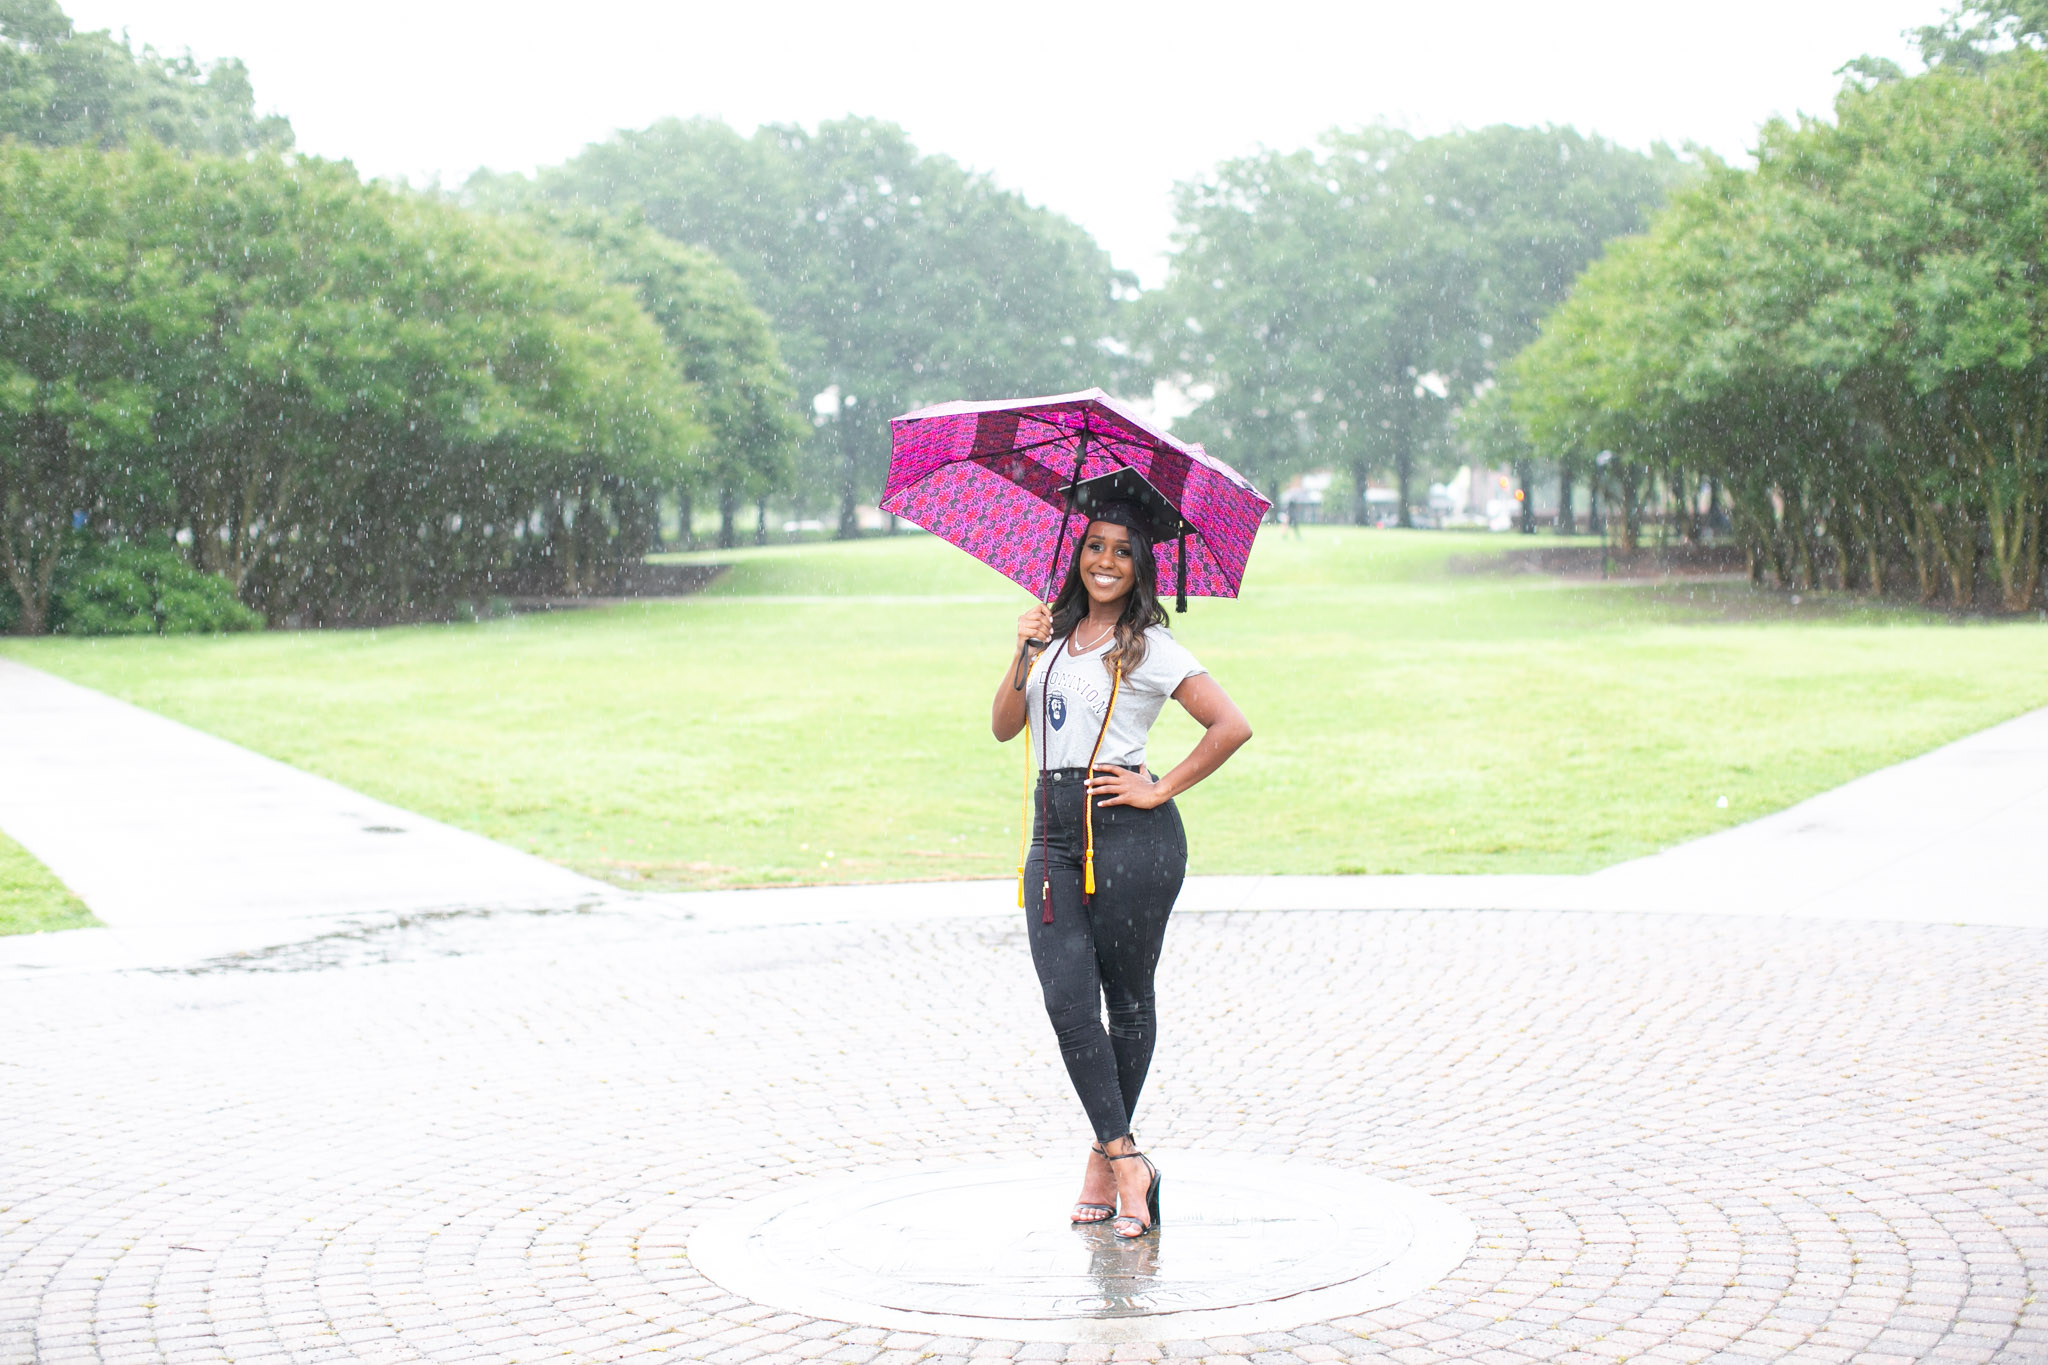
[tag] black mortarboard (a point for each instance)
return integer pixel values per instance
(1127, 498)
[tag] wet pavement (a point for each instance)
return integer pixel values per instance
(187, 845)
(500, 1137)
(945, 1248)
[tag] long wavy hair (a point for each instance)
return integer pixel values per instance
(1141, 605)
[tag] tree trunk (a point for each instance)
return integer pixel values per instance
(561, 545)
(2014, 517)
(1361, 481)
(1631, 508)
(686, 519)
(1962, 572)
(1798, 529)
(1527, 519)
(30, 575)
(1567, 520)
(1952, 533)
(849, 519)
(1750, 518)
(761, 522)
(1687, 489)
(589, 537)
(1596, 523)
(728, 509)
(1404, 439)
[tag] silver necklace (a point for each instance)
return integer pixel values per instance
(1107, 631)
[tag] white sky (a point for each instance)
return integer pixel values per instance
(1094, 109)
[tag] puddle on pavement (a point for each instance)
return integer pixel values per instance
(1246, 1239)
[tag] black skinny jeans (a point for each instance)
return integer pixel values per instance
(1102, 953)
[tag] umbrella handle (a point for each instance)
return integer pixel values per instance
(1023, 669)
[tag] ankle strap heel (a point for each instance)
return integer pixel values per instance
(1093, 1213)
(1126, 1225)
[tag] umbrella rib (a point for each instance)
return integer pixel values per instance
(1122, 438)
(1025, 447)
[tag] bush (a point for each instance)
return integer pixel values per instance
(126, 588)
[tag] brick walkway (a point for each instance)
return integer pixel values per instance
(489, 1138)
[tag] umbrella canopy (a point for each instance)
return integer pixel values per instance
(1010, 481)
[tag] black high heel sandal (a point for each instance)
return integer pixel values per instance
(1151, 1197)
(1105, 1211)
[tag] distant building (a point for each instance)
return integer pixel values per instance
(1480, 496)
(1302, 498)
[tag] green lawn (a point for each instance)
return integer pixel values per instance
(31, 900)
(821, 713)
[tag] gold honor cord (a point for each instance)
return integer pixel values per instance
(1088, 796)
(1024, 822)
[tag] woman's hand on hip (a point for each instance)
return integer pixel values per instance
(1122, 787)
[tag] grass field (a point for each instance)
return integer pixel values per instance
(31, 900)
(820, 714)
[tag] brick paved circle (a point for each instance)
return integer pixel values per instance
(490, 1140)
(984, 1249)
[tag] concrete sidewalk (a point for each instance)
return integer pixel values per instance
(1953, 836)
(182, 841)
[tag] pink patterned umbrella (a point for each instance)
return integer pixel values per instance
(1008, 482)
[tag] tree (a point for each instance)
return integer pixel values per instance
(1852, 336)
(353, 403)
(1971, 37)
(60, 87)
(1488, 426)
(723, 344)
(78, 311)
(893, 278)
(1338, 302)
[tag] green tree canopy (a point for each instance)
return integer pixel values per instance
(60, 87)
(723, 344)
(1335, 303)
(893, 278)
(350, 401)
(1854, 336)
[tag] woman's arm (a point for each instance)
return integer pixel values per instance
(1007, 716)
(1224, 731)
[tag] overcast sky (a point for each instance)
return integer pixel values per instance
(1094, 108)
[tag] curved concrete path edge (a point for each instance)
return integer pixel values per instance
(191, 847)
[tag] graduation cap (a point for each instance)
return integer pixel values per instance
(1127, 498)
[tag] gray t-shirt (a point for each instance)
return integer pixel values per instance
(1080, 694)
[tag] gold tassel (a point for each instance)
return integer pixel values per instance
(1088, 796)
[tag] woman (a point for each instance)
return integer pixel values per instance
(1107, 852)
